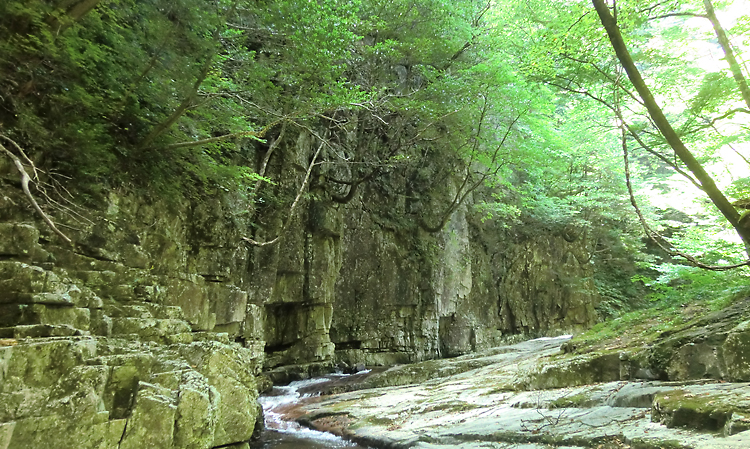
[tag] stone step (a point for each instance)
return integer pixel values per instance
(117, 310)
(168, 339)
(12, 315)
(166, 312)
(107, 284)
(24, 283)
(143, 310)
(21, 241)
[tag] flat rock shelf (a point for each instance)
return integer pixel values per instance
(492, 400)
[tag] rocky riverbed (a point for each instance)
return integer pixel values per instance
(485, 401)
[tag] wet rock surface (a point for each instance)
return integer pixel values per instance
(490, 405)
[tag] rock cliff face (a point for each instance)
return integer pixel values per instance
(360, 283)
(150, 332)
(127, 340)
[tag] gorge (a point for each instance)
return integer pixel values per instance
(201, 200)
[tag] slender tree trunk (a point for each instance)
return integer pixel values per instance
(186, 104)
(734, 66)
(82, 8)
(657, 115)
(74, 11)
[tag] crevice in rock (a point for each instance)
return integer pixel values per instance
(277, 348)
(345, 345)
(124, 431)
(215, 278)
(95, 256)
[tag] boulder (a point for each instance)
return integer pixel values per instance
(736, 351)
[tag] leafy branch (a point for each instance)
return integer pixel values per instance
(467, 187)
(654, 236)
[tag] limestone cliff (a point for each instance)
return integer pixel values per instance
(151, 330)
(126, 340)
(359, 282)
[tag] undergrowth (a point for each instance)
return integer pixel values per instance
(677, 296)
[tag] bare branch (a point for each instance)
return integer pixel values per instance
(256, 134)
(736, 151)
(267, 157)
(25, 179)
(679, 14)
(463, 192)
(301, 191)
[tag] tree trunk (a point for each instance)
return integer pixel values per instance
(657, 115)
(73, 13)
(734, 66)
(82, 8)
(186, 104)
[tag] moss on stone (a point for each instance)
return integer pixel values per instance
(579, 400)
(711, 412)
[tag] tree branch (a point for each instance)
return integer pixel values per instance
(463, 192)
(186, 103)
(267, 158)
(25, 179)
(714, 193)
(654, 236)
(734, 66)
(256, 134)
(74, 12)
(285, 226)
(679, 14)
(630, 129)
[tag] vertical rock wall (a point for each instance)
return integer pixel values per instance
(361, 283)
(130, 339)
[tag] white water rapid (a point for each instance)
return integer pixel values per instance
(282, 433)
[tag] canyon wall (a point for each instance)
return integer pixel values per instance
(152, 330)
(361, 283)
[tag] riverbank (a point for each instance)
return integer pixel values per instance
(484, 400)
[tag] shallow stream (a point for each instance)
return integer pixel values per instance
(281, 430)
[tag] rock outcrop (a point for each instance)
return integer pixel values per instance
(130, 338)
(361, 282)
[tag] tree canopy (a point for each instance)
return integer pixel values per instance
(546, 105)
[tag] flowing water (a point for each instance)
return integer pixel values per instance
(281, 433)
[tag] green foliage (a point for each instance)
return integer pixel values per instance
(127, 68)
(678, 295)
(184, 96)
(678, 284)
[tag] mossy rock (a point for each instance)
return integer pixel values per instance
(699, 411)
(581, 400)
(574, 371)
(736, 350)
